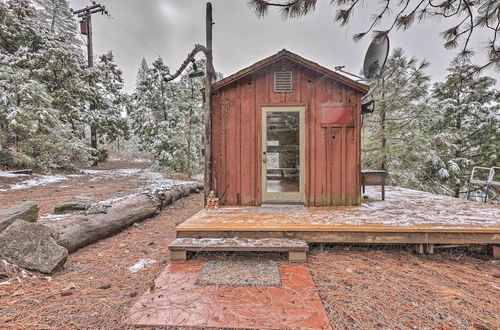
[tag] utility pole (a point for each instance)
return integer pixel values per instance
(210, 73)
(85, 15)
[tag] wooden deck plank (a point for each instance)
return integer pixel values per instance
(404, 211)
(366, 237)
(406, 216)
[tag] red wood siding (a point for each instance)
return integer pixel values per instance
(332, 151)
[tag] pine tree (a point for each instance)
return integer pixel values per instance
(142, 72)
(168, 120)
(464, 130)
(31, 71)
(57, 15)
(109, 99)
(46, 87)
(392, 136)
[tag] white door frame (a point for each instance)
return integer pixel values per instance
(293, 197)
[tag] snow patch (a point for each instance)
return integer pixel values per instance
(6, 174)
(39, 180)
(141, 264)
(48, 217)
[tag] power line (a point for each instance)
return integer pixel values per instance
(133, 35)
(118, 43)
(123, 26)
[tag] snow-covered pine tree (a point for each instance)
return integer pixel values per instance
(142, 72)
(31, 123)
(188, 97)
(46, 87)
(109, 100)
(149, 115)
(57, 15)
(167, 119)
(393, 137)
(464, 130)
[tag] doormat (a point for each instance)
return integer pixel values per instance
(285, 210)
(240, 273)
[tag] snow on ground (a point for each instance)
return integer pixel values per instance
(6, 174)
(152, 181)
(37, 180)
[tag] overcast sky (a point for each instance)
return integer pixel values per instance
(170, 28)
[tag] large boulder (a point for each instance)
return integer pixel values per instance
(32, 246)
(76, 203)
(27, 211)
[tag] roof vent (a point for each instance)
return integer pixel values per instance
(283, 82)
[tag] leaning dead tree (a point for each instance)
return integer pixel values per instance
(467, 18)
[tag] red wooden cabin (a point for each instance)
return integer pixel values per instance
(286, 129)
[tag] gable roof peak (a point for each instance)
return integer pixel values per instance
(284, 53)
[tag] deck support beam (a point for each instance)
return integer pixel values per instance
(496, 252)
(429, 248)
(418, 248)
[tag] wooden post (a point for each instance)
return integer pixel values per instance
(207, 106)
(419, 248)
(496, 252)
(297, 256)
(178, 255)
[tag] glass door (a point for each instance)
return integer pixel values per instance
(283, 154)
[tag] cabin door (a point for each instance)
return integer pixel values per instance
(283, 154)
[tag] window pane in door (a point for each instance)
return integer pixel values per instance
(283, 138)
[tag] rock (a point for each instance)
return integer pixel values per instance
(76, 203)
(27, 211)
(32, 246)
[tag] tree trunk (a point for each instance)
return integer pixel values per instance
(383, 139)
(80, 230)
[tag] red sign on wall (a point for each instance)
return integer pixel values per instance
(338, 115)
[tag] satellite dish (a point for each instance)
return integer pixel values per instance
(375, 58)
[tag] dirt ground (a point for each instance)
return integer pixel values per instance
(391, 288)
(360, 287)
(49, 195)
(104, 288)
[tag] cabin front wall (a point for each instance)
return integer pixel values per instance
(332, 151)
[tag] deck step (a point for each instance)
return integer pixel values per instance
(296, 248)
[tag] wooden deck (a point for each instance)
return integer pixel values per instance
(406, 216)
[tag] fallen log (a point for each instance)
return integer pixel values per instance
(27, 211)
(79, 230)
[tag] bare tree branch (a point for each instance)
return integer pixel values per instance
(479, 15)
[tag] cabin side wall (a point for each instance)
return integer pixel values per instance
(332, 151)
